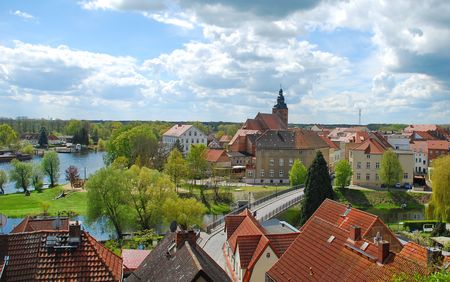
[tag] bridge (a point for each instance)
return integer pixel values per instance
(265, 208)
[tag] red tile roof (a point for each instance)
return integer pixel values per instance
(424, 135)
(371, 146)
(438, 145)
(30, 259)
(421, 127)
(225, 138)
(214, 156)
(330, 143)
(323, 252)
(29, 224)
(307, 139)
(133, 258)
(177, 130)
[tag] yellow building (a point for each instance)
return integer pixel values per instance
(365, 160)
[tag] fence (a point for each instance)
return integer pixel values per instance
(256, 203)
(281, 208)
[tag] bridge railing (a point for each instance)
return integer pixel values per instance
(281, 208)
(256, 203)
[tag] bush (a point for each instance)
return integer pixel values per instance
(412, 225)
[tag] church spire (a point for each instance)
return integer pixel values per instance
(281, 104)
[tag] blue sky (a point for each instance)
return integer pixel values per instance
(224, 60)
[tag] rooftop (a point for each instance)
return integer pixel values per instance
(177, 130)
(133, 258)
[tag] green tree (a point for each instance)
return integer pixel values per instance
(107, 194)
(7, 135)
(28, 149)
(439, 206)
(317, 187)
(391, 170)
(177, 145)
(101, 145)
(176, 167)
(204, 128)
(3, 181)
(197, 163)
(21, 173)
(297, 174)
(50, 167)
(187, 212)
(343, 174)
(37, 178)
(73, 127)
(148, 190)
(43, 138)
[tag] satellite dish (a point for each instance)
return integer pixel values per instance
(3, 220)
(173, 226)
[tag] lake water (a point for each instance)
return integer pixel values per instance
(87, 163)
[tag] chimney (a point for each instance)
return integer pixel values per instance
(74, 233)
(382, 251)
(434, 257)
(355, 233)
(186, 235)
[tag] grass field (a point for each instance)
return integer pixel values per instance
(18, 205)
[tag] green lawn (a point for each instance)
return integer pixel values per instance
(382, 200)
(18, 205)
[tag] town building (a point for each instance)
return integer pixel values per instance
(335, 152)
(365, 160)
(398, 141)
(36, 251)
(178, 257)
(420, 149)
(276, 151)
(250, 249)
(132, 259)
(187, 135)
(224, 141)
(218, 158)
(434, 130)
(339, 243)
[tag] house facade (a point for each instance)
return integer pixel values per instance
(187, 135)
(365, 160)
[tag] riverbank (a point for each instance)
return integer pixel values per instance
(19, 205)
(390, 206)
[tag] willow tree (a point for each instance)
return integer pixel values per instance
(439, 206)
(391, 170)
(176, 167)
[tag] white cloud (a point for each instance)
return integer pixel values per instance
(23, 15)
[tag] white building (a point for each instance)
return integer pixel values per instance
(398, 142)
(186, 134)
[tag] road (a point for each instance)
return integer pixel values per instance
(213, 243)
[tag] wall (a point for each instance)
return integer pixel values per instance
(263, 265)
(360, 156)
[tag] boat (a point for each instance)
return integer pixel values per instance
(7, 156)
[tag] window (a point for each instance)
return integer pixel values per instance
(250, 173)
(192, 140)
(377, 165)
(405, 175)
(368, 156)
(358, 176)
(187, 140)
(203, 140)
(281, 174)
(190, 133)
(271, 173)
(351, 164)
(351, 153)
(291, 161)
(368, 165)
(281, 162)
(377, 177)
(358, 165)
(420, 160)
(197, 140)
(195, 133)
(416, 160)
(424, 162)
(367, 176)
(262, 172)
(271, 162)
(267, 255)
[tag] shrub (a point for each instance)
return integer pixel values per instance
(412, 225)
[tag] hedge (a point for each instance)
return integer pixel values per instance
(417, 224)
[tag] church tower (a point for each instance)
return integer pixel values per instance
(281, 109)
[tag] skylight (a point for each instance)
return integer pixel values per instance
(331, 239)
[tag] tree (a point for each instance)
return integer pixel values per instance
(439, 206)
(187, 212)
(101, 145)
(297, 174)
(107, 195)
(72, 175)
(3, 181)
(7, 135)
(27, 149)
(317, 187)
(391, 170)
(43, 138)
(197, 162)
(176, 167)
(148, 190)
(37, 178)
(72, 127)
(343, 174)
(50, 166)
(177, 145)
(21, 173)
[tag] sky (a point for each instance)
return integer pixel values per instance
(225, 60)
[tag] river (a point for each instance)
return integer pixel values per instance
(87, 163)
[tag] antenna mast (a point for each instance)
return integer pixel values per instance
(359, 116)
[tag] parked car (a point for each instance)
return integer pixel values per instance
(398, 185)
(407, 186)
